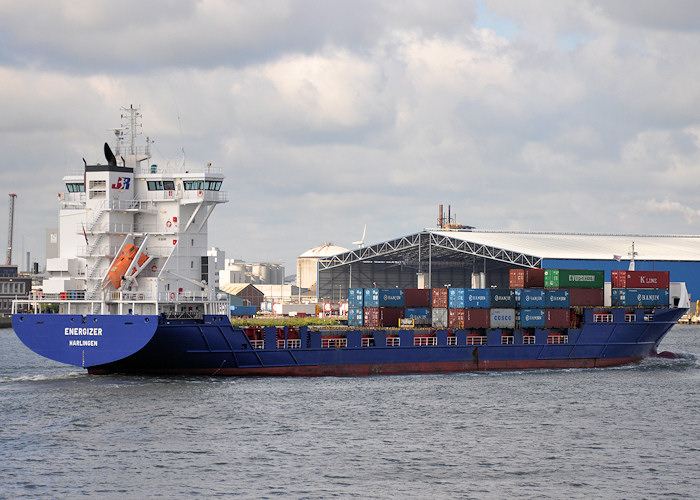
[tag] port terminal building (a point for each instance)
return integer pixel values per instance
(469, 258)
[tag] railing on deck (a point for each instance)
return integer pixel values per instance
(334, 342)
(528, 339)
(476, 340)
(507, 339)
(602, 318)
(35, 300)
(291, 344)
(258, 344)
(420, 341)
(558, 339)
(392, 342)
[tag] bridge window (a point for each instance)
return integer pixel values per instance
(161, 185)
(193, 185)
(75, 187)
(203, 185)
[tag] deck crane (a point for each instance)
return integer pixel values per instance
(10, 229)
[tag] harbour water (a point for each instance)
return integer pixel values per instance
(628, 432)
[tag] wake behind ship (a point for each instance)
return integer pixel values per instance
(133, 291)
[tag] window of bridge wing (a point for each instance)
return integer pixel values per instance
(75, 187)
(161, 185)
(193, 185)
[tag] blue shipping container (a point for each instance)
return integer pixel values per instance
(645, 297)
(391, 297)
(557, 299)
(503, 298)
(356, 297)
(455, 298)
(477, 298)
(531, 298)
(371, 297)
(244, 310)
(418, 313)
(532, 318)
(355, 316)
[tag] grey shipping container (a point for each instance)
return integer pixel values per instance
(503, 318)
(439, 317)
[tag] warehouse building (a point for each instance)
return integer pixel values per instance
(483, 259)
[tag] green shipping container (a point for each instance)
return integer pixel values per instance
(551, 278)
(573, 278)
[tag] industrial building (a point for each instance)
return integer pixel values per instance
(307, 263)
(237, 271)
(480, 259)
(12, 286)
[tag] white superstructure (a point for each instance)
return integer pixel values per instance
(162, 210)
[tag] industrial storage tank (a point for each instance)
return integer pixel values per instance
(308, 262)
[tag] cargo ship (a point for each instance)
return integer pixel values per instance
(133, 291)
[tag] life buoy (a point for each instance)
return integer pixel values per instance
(168, 224)
(154, 268)
(200, 193)
(172, 295)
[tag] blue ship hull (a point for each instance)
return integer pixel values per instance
(153, 345)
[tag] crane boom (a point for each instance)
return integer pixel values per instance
(10, 229)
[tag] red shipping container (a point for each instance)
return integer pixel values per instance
(477, 318)
(586, 297)
(440, 297)
(417, 297)
(647, 279)
(371, 317)
(516, 278)
(618, 279)
(526, 278)
(390, 316)
(558, 318)
(534, 278)
(455, 318)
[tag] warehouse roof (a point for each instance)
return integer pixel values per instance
(522, 248)
(585, 246)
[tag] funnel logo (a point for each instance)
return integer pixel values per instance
(122, 183)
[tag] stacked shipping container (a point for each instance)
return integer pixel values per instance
(536, 298)
(640, 288)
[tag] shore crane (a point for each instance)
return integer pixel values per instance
(10, 229)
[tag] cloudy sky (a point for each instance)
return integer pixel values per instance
(577, 116)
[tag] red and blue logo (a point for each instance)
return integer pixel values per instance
(122, 183)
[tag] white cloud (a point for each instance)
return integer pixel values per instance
(670, 208)
(578, 116)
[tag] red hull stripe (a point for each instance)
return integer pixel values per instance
(395, 368)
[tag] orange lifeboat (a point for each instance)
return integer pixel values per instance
(122, 264)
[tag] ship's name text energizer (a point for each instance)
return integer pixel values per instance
(83, 331)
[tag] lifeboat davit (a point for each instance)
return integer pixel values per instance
(122, 264)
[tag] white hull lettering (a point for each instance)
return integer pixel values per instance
(83, 331)
(82, 343)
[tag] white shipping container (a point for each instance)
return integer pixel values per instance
(439, 317)
(502, 318)
(294, 309)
